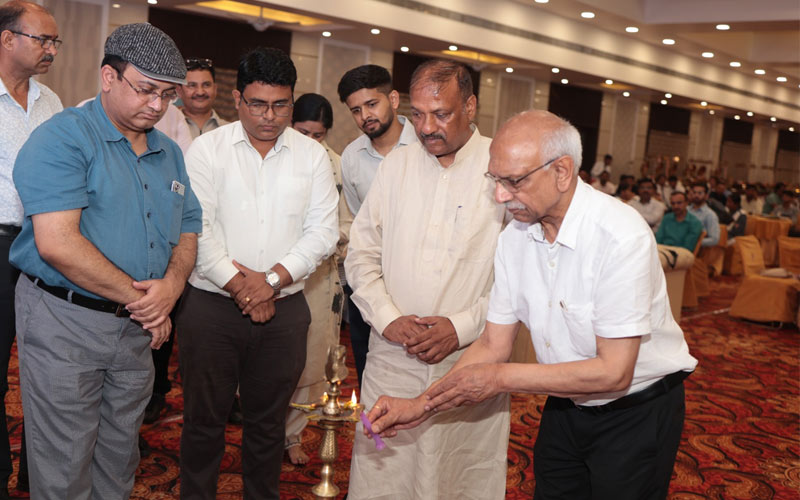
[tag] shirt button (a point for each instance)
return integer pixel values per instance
(549, 303)
(148, 215)
(152, 245)
(152, 275)
(551, 264)
(547, 344)
(145, 186)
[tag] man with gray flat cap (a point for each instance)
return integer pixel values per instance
(108, 239)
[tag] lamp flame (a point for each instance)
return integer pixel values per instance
(354, 398)
(324, 397)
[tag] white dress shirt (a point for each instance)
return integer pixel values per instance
(601, 277)
(261, 211)
(360, 161)
(174, 125)
(652, 211)
(16, 124)
(754, 207)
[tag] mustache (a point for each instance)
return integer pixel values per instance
(425, 137)
(514, 205)
(47, 58)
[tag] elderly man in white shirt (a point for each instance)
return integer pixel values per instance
(581, 270)
(420, 264)
(269, 217)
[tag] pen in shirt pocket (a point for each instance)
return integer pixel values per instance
(458, 209)
(563, 305)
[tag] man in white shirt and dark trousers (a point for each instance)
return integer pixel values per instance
(581, 270)
(367, 92)
(269, 217)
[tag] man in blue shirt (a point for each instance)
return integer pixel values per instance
(107, 243)
(699, 208)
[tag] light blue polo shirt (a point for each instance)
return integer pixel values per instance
(134, 208)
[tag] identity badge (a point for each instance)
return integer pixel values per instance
(177, 187)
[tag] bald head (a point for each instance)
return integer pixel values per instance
(11, 12)
(541, 131)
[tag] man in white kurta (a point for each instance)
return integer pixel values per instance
(420, 255)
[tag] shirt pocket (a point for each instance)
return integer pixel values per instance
(578, 319)
(173, 203)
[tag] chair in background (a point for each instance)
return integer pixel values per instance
(689, 284)
(714, 257)
(764, 297)
(676, 263)
(789, 253)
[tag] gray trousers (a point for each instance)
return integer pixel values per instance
(86, 377)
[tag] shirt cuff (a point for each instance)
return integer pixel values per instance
(297, 267)
(639, 329)
(466, 330)
(221, 273)
(384, 316)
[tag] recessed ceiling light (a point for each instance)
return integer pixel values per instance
(587, 15)
(773, 119)
(737, 117)
(781, 79)
(663, 101)
(609, 82)
(116, 5)
(668, 95)
(749, 113)
(152, 2)
(707, 55)
(759, 71)
(723, 27)
(632, 29)
(326, 34)
(453, 48)
(791, 129)
(703, 103)
(375, 31)
(403, 49)
(710, 111)
(668, 41)
(564, 81)
(735, 64)
(541, 1)
(626, 94)
(509, 69)
(555, 70)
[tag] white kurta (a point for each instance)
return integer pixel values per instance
(423, 243)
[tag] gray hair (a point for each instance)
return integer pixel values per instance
(562, 140)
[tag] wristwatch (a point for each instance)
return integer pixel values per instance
(274, 280)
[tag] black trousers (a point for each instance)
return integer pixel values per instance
(219, 350)
(161, 384)
(359, 335)
(622, 454)
(8, 280)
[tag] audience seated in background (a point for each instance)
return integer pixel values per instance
(604, 184)
(738, 217)
(752, 203)
(625, 192)
(651, 209)
(719, 191)
(699, 208)
(601, 166)
(773, 199)
(660, 189)
(673, 184)
(584, 175)
(679, 228)
(788, 207)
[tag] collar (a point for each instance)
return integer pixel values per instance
(568, 232)
(111, 133)
(34, 90)
(284, 140)
(407, 136)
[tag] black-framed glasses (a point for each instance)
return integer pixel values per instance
(282, 109)
(45, 42)
(512, 185)
(168, 96)
(197, 63)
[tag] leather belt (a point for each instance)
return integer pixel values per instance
(105, 306)
(649, 393)
(9, 230)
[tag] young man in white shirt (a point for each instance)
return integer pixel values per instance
(269, 216)
(651, 209)
(367, 91)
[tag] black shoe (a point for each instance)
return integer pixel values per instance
(154, 408)
(235, 416)
(144, 448)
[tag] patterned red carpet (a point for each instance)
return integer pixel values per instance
(741, 439)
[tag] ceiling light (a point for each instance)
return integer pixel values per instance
(152, 2)
(791, 129)
(403, 49)
(723, 27)
(735, 64)
(781, 79)
(632, 29)
(609, 82)
(737, 117)
(663, 101)
(541, 1)
(375, 31)
(509, 69)
(587, 15)
(116, 5)
(452, 48)
(707, 55)
(773, 119)
(626, 94)
(703, 103)
(668, 95)
(668, 41)
(326, 34)
(710, 111)
(749, 113)
(555, 70)
(759, 71)
(564, 81)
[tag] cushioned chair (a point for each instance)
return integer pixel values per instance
(714, 257)
(695, 275)
(789, 253)
(676, 262)
(762, 295)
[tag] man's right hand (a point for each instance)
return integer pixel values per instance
(263, 312)
(403, 328)
(390, 414)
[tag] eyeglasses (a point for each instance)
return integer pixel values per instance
(512, 185)
(45, 42)
(282, 109)
(168, 96)
(194, 63)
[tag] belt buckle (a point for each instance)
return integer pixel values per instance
(121, 312)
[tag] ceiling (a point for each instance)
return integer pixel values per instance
(762, 35)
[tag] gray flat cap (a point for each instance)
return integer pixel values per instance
(151, 51)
